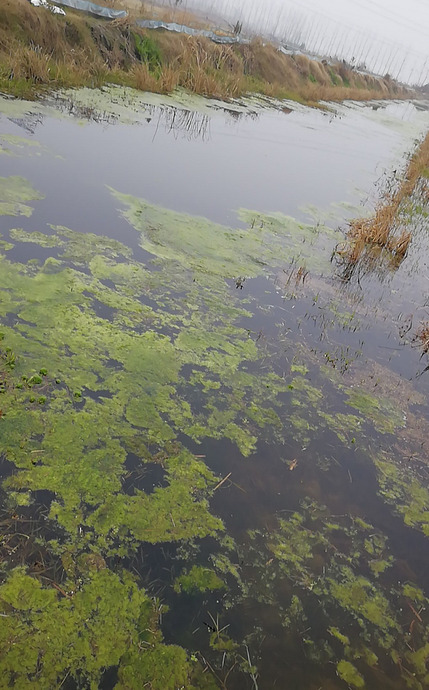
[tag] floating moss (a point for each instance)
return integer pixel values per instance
(358, 595)
(38, 238)
(350, 674)
(204, 247)
(20, 142)
(160, 668)
(345, 426)
(294, 545)
(198, 579)
(404, 492)
(315, 560)
(381, 412)
(95, 627)
(14, 193)
(141, 358)
(339, 636)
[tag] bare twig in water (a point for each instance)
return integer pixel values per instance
(222, 481)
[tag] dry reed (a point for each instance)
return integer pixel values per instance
(422, 337)
(384, 229)
(39, 50)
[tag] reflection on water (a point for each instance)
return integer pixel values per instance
(153, 360)
(190, 124)
(186, 123)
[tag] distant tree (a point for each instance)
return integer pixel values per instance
(238, 27)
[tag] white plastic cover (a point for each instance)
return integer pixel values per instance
(47, 6)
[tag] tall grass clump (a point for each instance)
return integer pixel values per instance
(385, 231)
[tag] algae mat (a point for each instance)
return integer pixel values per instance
(204, 482)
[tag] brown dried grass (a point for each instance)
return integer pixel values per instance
(38, 49)
(422, 337)
(383, 229)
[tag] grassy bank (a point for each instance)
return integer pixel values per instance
(39, 50)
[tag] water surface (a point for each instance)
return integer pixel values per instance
(197, 394)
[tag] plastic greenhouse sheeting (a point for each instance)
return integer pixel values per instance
(182, 29)
(109, 13)
(47, 6)
(91, 7)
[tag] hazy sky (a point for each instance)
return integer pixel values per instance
(401, 26)
(402, 21)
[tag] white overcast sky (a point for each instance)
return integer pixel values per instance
(403, 21)
(401, 26)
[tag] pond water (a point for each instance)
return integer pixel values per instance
(213, 428)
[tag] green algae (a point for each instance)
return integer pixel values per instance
(345, 426)
(223, 565)
(127, 105)
(414, 593)
(5, 151)
(371, 392)
(305, 244)
(84, 628)
(196, 243)
(84, 448)
(301, 369)
(6, 246)
(18, 141)
(121, 383)
(339, 636)
(198, 579)
(401, 489)
(15, 191)
(13, 145)
(350, 674)
(290, 548)
(357, 595)
(309, 414)
(168, 514)
(159, 669)
(383, 413)
(39, 238)
(75, 465)
(310, 393)
(205, 247)
(318, 567)
(109, 608)
(233, 344)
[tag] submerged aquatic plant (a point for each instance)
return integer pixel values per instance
(323, 576)
(198, 579)
(106, 363)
